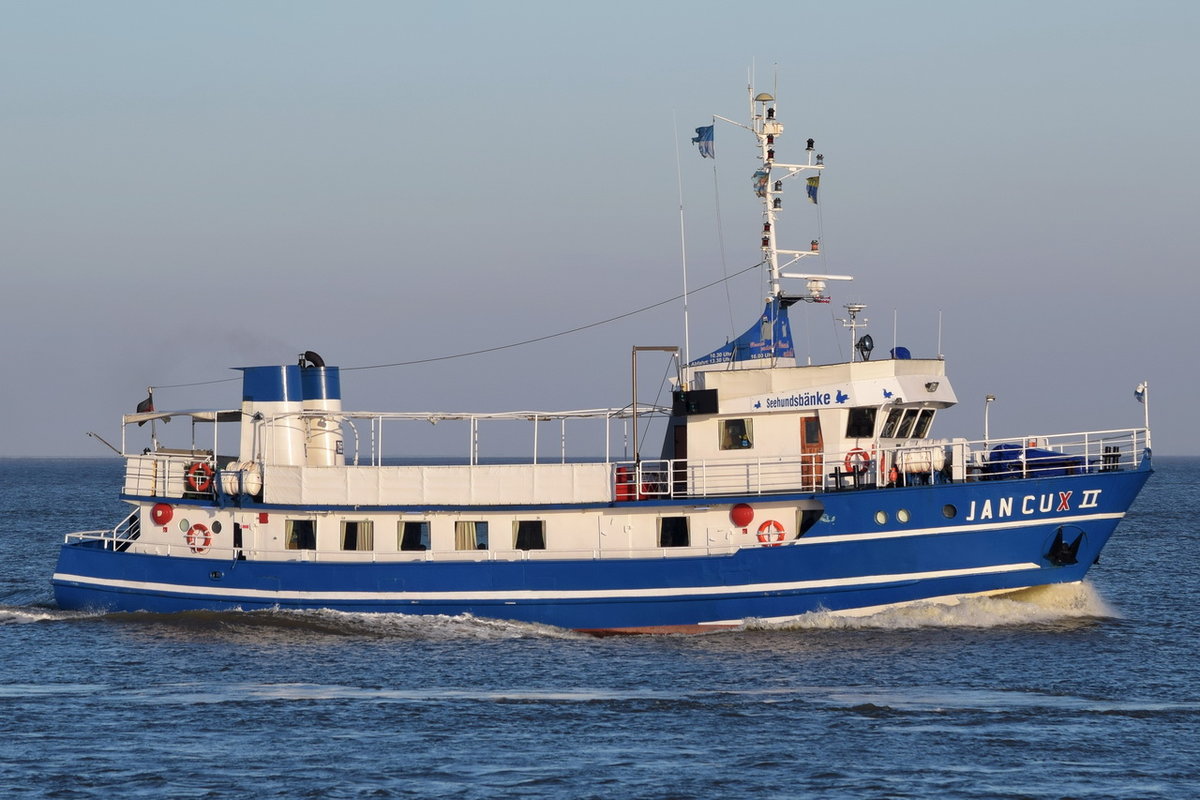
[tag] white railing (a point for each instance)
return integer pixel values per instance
(880, 465)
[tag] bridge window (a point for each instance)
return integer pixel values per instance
(358, 535)
(737, 434)
(529, 534)
(923, 422)
(673, 532)
(861, 424)
(889, 427)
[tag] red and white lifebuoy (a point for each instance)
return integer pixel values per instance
(199, 539)
(857, 461)
(200, 476)
(161, 513)
(770, 533)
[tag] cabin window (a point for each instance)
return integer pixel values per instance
(414, 535)
(893, 419)
(861, 424)
(358, 535)
(737, 434)
(906, 425)
(673, 532)
(529, 534)
(301, 534)
(470, 535)
(923, 422)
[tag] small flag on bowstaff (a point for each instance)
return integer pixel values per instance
(1140, 392)
(704, 138)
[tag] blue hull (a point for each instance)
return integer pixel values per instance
(1001, 536)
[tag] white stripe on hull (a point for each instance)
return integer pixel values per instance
(562, 595)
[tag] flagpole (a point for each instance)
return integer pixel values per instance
(682, 249)
(1142, 393)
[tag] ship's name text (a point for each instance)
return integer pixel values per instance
(1032, 504)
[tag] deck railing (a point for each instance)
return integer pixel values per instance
(872, 466)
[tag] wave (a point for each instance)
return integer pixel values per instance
(1040, 605)
(295, 624)
(1043, 605)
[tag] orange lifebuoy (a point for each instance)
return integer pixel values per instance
(198, 538)
(857, 461)
(161, 513)
(770, 533)
(200, 476)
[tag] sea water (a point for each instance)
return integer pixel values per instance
(1084, 691)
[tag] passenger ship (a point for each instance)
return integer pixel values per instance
(781, 489)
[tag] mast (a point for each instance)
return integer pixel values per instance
(769, 185)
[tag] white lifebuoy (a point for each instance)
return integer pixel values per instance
(770, 533)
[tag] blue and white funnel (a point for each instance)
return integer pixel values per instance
(321, 391)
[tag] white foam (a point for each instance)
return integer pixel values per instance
(1039, 605)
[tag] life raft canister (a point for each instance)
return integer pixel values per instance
(770, 533)
(857, 461)
(198, 538)
(199, 476)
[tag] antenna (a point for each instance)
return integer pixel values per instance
(864, 345)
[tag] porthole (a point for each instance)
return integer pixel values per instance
(184, 525)
(881, 517)
(949, 511)
(216, 526)
(902, 515)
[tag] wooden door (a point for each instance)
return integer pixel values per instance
(812, 449)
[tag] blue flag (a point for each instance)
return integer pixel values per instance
(704, 138)
(813, 183)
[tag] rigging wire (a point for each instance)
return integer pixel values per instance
(721, 245)
(503, 346)
(552, 335)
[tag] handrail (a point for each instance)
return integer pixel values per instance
(912, 462)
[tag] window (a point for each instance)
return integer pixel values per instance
(529, 534)
(889, 427)
(923, 423)
(470, 535)
(861, 424)
(736, 434)
(301, 534)
(906, 426)
(414, 535)
(673, 532)
(358, 535)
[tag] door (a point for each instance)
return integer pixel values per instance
(679, 465)
(812, 449)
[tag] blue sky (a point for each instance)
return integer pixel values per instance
(192, 187)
